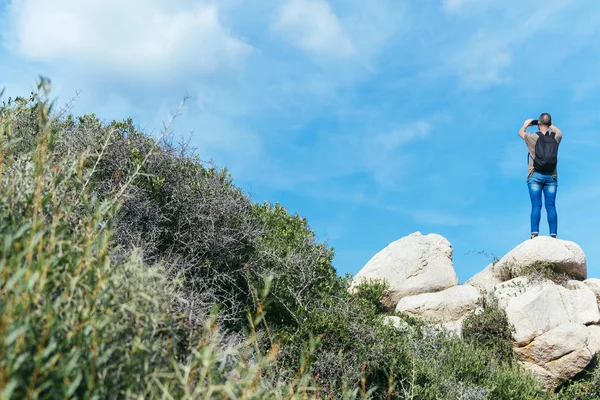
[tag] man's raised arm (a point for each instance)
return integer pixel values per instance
(556, 130)
(524, 128)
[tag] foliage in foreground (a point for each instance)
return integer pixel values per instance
(583, 387)
(115, 249)
(77, 324)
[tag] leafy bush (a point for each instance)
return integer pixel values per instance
(583, 386)
(175, 209)
(491, 329)
(77, 324)
(371, 293)
(427, 364)
(73, 324)
(301, 267)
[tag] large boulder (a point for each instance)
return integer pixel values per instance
(536, 308)
(444, 310)
(562, 256)
(576, 285)
(557, 355)
(555, 327)
(447, 305)
(412, 265)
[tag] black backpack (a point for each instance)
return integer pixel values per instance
(546, 153)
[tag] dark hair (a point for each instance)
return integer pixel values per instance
(545, 119)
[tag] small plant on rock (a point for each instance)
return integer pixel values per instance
(536, 272)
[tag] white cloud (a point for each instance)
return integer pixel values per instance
(138, 38)
(312, 26)
(405, 134)
(391, 17)
(385, 156)
(485, 59)
(465, 7)
(381, 159)
(454, 5)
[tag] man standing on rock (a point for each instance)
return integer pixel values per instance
(542, 174)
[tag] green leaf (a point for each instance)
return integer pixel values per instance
(19, 361)
(32, 280)
(74, 385)
(46, 199)
(9, 389)
(8, 241)
(49, 349)
(72, 362)
(10, 339)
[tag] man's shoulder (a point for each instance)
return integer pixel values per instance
(531, 137)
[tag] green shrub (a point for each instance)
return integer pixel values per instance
(73, 324)
(491, 329)
(537, 271)
(371, 294)
(176, 209)
(76, 324)
(426, 364)
(584, 386)
(303, 276)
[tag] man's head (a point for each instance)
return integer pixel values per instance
(545, 120)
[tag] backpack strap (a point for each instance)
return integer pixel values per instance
(552, 134)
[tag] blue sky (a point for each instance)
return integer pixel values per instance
(372, 119)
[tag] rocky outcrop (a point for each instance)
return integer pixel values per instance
(412, 265)
(556, 326)
(576, 285)
(485, 280)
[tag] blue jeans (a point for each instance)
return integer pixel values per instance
(538, 183)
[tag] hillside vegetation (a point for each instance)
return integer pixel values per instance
(132, 269)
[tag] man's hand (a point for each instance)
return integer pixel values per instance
(524, 128)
